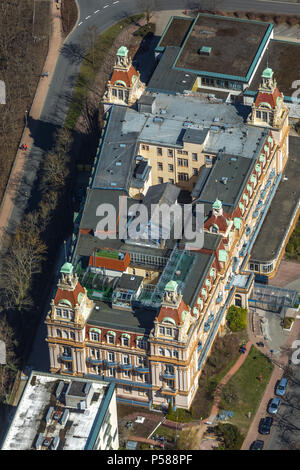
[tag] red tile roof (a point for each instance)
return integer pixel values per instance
(124, 76)
(220, 221)
(174, 313)
(70, 295)
(269, 98)
(110, 263)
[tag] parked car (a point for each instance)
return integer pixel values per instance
(257, 445)
(274, 405)
(265, 425)
(281, 387)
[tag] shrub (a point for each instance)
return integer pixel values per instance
(237, 318)
(231, 437)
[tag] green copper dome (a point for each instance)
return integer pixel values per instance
(122, 51)
(66, 268)
(217, 204)
(267, 73)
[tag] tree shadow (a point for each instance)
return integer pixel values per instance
(74, 53)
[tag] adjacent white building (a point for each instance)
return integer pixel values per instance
(63, 413)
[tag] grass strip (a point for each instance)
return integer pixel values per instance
(91, 65)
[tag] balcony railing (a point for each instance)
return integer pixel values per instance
(110, 363)
(168, 375)
(125, 366)
(94, 360)
(66, 357)
(141, 370)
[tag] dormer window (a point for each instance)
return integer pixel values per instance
(111, 337)
(58, 312)
(95, 334)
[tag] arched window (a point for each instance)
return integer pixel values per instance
(58, 333)
(161, 351)
(168, 353)
(65, 334)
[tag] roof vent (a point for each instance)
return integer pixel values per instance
(204, 50)
(224, 179)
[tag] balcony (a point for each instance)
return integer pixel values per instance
(210, 318)
(229, 282)
(219, 298)
(110, 363)
(248, 231)
(272, 174)
(168, 375)
(259, 204)
(199, 347)
(66, 357)
(141, 370)
(125, 366)
(94, 361)
(207, 326)
(255, 214)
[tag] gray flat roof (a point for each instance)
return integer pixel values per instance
(139, 321)
(195, 136)
(94, 198)
(167, 80)
(116, 156)
(267, 245)
(236, 171)
(196, 276)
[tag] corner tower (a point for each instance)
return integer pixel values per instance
(124, 86)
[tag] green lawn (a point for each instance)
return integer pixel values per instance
(244, 390)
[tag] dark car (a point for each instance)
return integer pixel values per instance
(257, 445)
(265, 425)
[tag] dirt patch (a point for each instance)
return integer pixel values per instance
(68, 15)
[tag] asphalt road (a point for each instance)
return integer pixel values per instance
(102, 14)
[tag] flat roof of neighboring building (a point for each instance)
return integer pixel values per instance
(233, 45)
(168, 80)
(37, 398)
(175, 31)
(267, 245)
(283, 57)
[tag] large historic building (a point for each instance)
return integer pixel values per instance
(144, 312)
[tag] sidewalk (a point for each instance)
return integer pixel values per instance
(55, 42)
(269, 392)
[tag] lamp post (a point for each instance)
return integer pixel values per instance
(26, 118)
